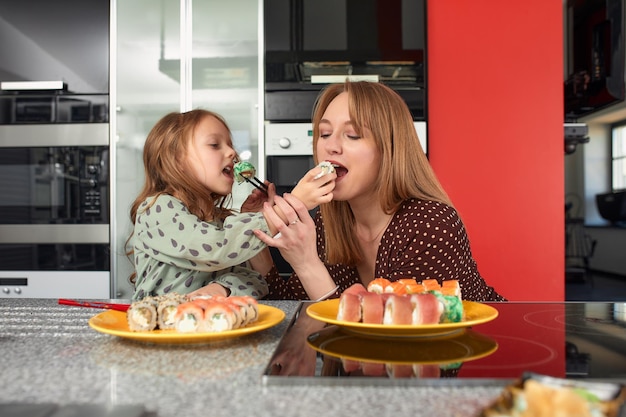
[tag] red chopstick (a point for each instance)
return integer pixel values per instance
(94, 304)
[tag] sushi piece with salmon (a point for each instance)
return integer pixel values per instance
(451, 287)
(378, 285)
(431, 284)
(398, 310)
(349, 308)
(426, 309)
(247, 306)
(219, 317)
(372, 308)
(189, 317)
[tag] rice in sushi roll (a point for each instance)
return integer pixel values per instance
(219, 317)
(166, 310)
(189, 317)
(142, 315)
(326, 168)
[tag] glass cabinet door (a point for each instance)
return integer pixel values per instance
(219, 42)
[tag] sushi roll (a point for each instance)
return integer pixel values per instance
(373, 368)
(396, 370)
(398, 310)
(421, 370)
(356, 289)
(431, 284)
(415, 288)
(452, 307)
(326, 168)
(378, 285)
(243, 170)
(142, 315)
(219, 317)
(396, 287)
(166, 310)
(189, 317)
(349, 308)
(426, 309)
(451, 287)
(247, 310)
(350, 365)
(372, 308)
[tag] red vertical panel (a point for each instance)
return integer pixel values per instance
(495, 115)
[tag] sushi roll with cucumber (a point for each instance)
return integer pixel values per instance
(189, 317)
(243, 170)
(142, 315)
(166, 310)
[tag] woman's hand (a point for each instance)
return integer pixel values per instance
(254, 202)
(296, 238)
(296, 235)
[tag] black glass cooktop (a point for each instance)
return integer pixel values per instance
(564, 340)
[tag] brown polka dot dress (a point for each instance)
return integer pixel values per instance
(424, 240)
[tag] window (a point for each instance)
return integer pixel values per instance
(618, 157)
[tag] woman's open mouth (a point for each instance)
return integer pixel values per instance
(340, 170)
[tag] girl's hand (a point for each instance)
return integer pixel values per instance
(211, 289)
(254, 202)
(314, 191)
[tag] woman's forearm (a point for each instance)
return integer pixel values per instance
(316, 280)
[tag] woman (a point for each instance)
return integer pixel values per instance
(389, 215)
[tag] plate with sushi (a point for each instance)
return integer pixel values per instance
(398, 315)
(117, 323)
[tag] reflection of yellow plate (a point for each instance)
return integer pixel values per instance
(114, 323)
(475, 313)
(461, 347)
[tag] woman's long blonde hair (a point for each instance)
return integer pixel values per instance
(405, 172)
(164, 156)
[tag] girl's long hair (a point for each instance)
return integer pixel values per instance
(405, 172)
(164, 164)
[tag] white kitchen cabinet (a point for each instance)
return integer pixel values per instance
(219, 46)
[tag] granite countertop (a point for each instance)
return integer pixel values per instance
(49, 354)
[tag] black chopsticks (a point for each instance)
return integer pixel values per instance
(257, 183)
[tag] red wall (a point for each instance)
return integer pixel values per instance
(495, 135)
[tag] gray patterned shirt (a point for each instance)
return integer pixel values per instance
(177, 252)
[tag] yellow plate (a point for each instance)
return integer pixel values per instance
(459, 347)
(114, 323)
(475, 313)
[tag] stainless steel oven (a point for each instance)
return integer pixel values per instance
(54, 209)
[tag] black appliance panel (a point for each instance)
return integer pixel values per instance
(54, 185)
(309, 40)
(597, 52)
(54, 257)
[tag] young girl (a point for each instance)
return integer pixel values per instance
(185, 238)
